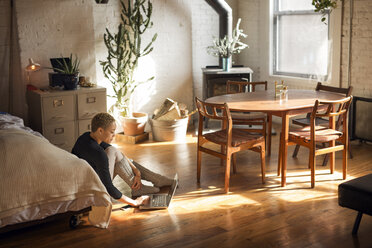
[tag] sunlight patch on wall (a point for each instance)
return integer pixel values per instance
(146, 89)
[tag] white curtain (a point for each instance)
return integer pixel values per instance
(12, 78)
(4, 54)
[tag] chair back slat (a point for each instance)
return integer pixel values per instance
(209, 110)
(240, 86)
(334, 108)
(344, 91)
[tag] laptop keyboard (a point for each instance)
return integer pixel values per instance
(159, 200)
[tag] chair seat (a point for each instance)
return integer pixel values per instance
(306, 121)
(357, 194)
(238, 116)
(239, 137)
(321, 134)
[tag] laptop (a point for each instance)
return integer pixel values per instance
(159, 201)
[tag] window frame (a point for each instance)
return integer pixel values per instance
(276, 15)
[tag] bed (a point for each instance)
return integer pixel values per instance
(39, 180)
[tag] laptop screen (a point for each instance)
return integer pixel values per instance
(172, 190)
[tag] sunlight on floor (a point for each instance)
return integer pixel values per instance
(189, 140)
(192, 202)
(210, 197)
(298, 186)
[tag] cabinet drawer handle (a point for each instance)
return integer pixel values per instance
(58, 117)
(58, 103)
(91, 99)
(88, 114)
(59, 130)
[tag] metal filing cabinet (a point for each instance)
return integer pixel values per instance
(63, 115)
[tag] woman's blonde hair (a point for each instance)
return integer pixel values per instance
(102, 120)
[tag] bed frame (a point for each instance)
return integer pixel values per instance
(74, 220)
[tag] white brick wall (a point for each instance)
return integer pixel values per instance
(49, 28)
(105, 16)
(170, 62)
(205, 26)
(361, 59)
(249, 11)
(185, 28)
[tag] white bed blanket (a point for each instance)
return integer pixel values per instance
(8, 121)
(35, 173)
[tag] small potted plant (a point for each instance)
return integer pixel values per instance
(69, 72)
(322, 6)
(228, 46)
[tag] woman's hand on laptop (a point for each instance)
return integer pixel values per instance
(137, 202)
(142, 200)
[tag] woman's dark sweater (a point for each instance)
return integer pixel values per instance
(92, 152)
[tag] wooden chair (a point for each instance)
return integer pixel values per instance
(309, 136)
(305, 122)
(251, 119)
(234, 140)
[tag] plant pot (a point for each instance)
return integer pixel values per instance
(134, 125)
(169, 130)
(70, 81)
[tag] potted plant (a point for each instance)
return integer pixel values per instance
(228, 46)
(69, 72)
(322, 6)
(124, 50)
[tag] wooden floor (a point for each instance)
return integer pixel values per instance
(251, 215)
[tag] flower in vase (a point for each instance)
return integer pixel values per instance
(227, 46)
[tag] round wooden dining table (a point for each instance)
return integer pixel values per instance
(299, 102)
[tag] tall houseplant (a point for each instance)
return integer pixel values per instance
(124, 50)
(228, 46)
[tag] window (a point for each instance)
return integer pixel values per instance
(300, 40)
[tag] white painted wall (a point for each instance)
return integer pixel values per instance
(205, 26)
(170, 62)
(49, 28)
(361, 48)
(249, 11)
